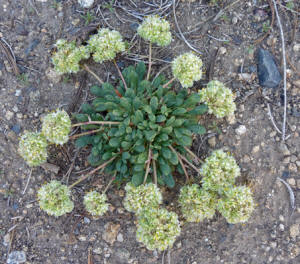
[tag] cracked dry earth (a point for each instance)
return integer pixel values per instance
(272, 234)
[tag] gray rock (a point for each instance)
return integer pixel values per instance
(267, 71)
(16, 128)
(16, 257)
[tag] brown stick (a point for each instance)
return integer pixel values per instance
(148, 165)
(85, 133)
(193, 154)
(154, 171)
(110, 182)
(150, 62)
(181, 163)
(121, 75)
(91, 72)
(97, 123)
(189, 163)
(92, 172)
(168, 83)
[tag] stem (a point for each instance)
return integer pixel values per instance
(169, 82)
(148, 165)
(91, 72)
(85, 133)
(97, 123)
(121, 75)
(154, 171)
(92, 172)
(110, 182)
(150, 62)
(181, 163)
(193, 154)
(189, 163)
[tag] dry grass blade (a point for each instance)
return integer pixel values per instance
(291, 193)
(10, 55)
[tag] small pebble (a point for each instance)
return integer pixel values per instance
(16, 257)
(120, 237)
(255, 149)
(241, 130)
(86, 220)
(294, 230)
(212, 142)
(281, 227)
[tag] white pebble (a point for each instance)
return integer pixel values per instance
(241, 130)
(86, 3)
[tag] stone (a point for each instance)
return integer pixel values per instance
(16, 128)
(281, 227)
(296, 47)
(241, 130)
(297, 83)
(86, 220)
(291, 181)
(86, 3)
(16, 257)
(52, 75)
(6, 240)
(111, 231)
(120, 238)
(222, 50)
(9, 115)
(267, 71)
(97, 251)
(294, 231)
(123, 255)
(255, 149)
(212, 142)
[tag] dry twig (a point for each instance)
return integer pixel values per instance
(291, 193)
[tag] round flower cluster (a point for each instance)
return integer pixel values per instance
(237, 205)
(156, 30)
(95, 203)
(67, 57)
(56, 127)
(54, 198)
(197, 204)
(33, 148)
(219, 99)
(219, 172)
(187, 68)
(105, 45)
(141, 197)
(157, 228)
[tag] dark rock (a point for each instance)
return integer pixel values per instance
(236, 40)
(121, 64)
(267, 71)
(134, 26)
(16, 128)
(285, 175)
(32, 46)
(1, 65)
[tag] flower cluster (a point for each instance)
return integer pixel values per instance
(157, 228)
(95, 203)
(219, 172)
(156, 30)
(54, 198)
(219, 99)
(105, 45)
(33, 148)
(67, 57)
(237, 205)
(187, 68)
(197, 204)
(56, 127)
(142, 197)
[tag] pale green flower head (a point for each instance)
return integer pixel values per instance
(54, 198)
(105, 45)
(33, 148)
(67, 57)
(95, 203)
(56, 127)
(197, 204)
(219, 172)
(141, 197)
(156, 30)
(157, 228)
(237, 205)
(187, 68)
(219, 99)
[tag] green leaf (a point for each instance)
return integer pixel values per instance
(94, 160)
(163, 137)
(154, 103)
(165, 169)
(123, 169)
(199, 110)
(142, 158)
(157, 81)
(140, 148)
(198, 129)
(125, 145)
(114, 142)
(192, 100)
(137, 179)
(179, 111)
(124, 102)
(126, 155)
(150, 135)
(82, 141)
(143, 86)
(184, 140)
(96, 90)
(178, 122)
(141, 70)
(133, 80)
(169, 180)
(160, 118)
(87, 108)
(167, 130)
(107, 155)
(152, 118)
(81, 117)
(166, 152)
(170, 121)
(147, 109)
(137, 103)
(174, 158)
(138, 167)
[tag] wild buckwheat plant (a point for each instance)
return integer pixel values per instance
(54, 198)
(138, 129)
(197, 204)
(56, 127)
(157, 228)
(95, 203)
(237, 204)
(33, 148)
(219, 99)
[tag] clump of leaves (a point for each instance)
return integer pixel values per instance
(151, 124)
(95, 203)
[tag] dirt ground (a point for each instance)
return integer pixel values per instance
(228, 41)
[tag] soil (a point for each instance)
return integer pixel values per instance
(228, 44)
